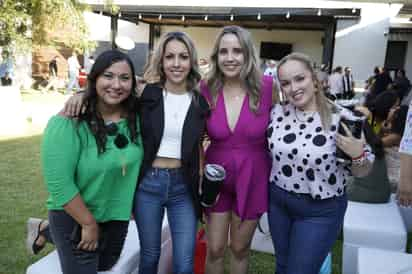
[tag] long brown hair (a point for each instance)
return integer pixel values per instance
(250, 73)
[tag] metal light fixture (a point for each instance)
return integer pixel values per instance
(288, 15)
(206, 17)
(140, 16)
(353, 10)
(160, 17)
(232, 17)
(259, 16)
(183, 18)
(319, 12)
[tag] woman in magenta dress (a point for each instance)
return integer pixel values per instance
(240, 100)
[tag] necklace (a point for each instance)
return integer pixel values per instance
(305, 114)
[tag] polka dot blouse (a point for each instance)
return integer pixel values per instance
(304, 154)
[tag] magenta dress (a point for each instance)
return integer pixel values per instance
(243, 153)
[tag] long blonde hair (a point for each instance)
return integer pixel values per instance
(250, 73)
(154, 72)
(324, 106)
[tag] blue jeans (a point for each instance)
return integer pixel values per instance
(303, 229)
(162, 189)
(61, 232)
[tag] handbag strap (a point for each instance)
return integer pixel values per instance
(259, 227)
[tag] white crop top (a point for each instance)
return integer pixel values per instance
(175, 110)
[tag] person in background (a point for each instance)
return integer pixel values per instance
(89, 64)
(53, 72)
(270, 69)
(6, 69)
(90, 165)
(348, 84)
(376, 186)
(335, 83)
(204, 67)
(74, 67)
(405, 149)
(384, 140)
(6, 79)
(382, 82)
(401, 84)
(240, 102)
(371, 80)
(377, 110)
(323, 76)
(307, 200)
(391, 134)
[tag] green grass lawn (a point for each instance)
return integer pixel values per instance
(22, 194)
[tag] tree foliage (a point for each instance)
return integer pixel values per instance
(32, 23)
(15, 21)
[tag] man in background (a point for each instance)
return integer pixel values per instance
(336, 83)
(53, 79)
(348, 84)
(74, 67)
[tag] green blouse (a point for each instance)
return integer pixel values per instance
(71, 165)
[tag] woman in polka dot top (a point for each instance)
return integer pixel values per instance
(307, 182)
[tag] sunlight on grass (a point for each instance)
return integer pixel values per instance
(23, 195)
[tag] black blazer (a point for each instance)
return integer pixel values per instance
(194, 127)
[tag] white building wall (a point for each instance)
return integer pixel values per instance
(99, 27)
(308, 42)
(361, 44)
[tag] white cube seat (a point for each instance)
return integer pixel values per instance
(379, 261)
(371, 225)
(128, 262)
(406, 213)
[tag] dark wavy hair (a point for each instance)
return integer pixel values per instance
(92, 116)
(382, 104)
(399, 119)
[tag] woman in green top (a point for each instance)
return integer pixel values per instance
(90, 166)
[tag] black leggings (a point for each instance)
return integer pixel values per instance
(75, 261)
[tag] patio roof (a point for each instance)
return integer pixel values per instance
(250, 17)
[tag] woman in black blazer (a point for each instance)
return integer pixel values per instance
(173, 124)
